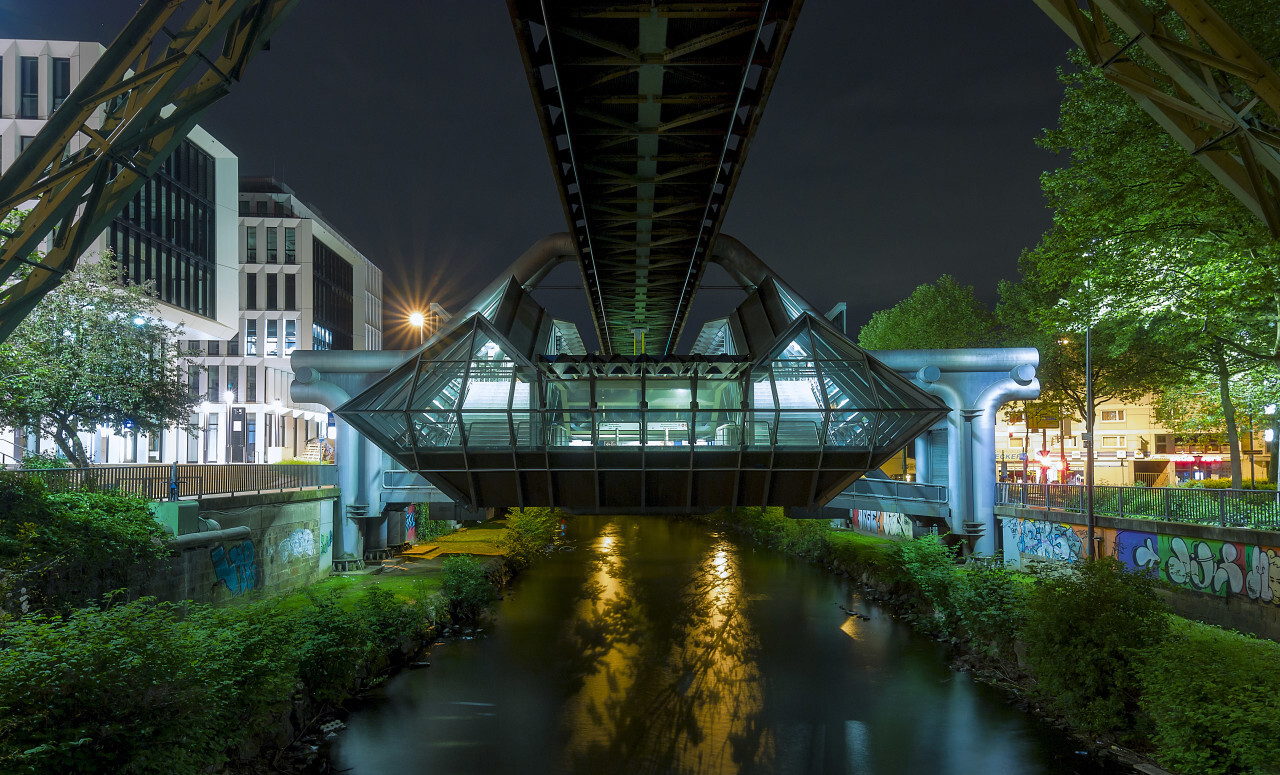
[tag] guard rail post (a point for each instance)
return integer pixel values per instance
(1222, 508)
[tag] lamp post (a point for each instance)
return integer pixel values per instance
(1088, 442)
(418, 320)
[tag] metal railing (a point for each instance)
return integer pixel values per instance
(898, 490)
(187, 480)
(1258, 509)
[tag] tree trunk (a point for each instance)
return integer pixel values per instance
(1229, 415)
(69, 442)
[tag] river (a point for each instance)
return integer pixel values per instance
(664, 647)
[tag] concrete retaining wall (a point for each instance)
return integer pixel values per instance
(288, 545)
(1222, 575)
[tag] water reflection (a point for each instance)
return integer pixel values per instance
(658, 647)
(667, 688)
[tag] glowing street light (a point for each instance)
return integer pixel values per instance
(419, 321)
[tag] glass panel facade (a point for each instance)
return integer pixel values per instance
(468, 390)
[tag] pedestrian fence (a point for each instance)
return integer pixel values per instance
(1259, 509)
(187, 480)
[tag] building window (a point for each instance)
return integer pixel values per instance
(1113, 415)
(214, 347)
(290, 336)
(251, 383)
(244, 207)
(321, 338)
(251, 436)
(273, 287)
(251, 245)
(24, 141)
(251, 291)
(273, 252)
(61, 81)
(29, 87)
(251, 337)
(290, 292)
(193, 439)
(233, 382)
(193, 380)
(1114, 442)
(233, 345)
(332, 298)
(262, 207)
(212, 393)
(290, 245)
(273, 338)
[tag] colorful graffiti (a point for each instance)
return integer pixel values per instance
(411, 524)
(884, 523)
(1221, 568)
(300, 543)
(326, 542)
(235, 566)
(1050, 540)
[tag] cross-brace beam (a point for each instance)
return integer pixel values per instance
(1209, 88)
(125, 117)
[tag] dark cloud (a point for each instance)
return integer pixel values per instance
(897, 145)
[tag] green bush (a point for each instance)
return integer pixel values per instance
(1088, 633)
(991, 603)
(1225, 484)
(43, 461)
(529, 531)
(1214, 698)
(67, 549)
(931, 565)
(467, 588)
(805, 538)
(332, 645)
(136, 688)
(431, 529)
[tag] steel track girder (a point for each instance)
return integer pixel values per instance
(145, 96)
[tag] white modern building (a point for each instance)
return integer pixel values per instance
(301, 285)
(248, 276)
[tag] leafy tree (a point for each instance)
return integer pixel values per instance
(93, 354)
(942, 316)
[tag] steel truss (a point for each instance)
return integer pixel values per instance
(125, 117)
(1212, 92)
(647, 109)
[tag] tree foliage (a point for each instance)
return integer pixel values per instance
(940, 316)
(93, 354)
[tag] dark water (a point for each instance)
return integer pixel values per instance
(659, 647)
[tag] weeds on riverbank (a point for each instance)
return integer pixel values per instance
(143, 687)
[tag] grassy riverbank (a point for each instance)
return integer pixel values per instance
(147, 687)
(1092, 644)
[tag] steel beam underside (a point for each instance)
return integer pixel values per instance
(647, 110)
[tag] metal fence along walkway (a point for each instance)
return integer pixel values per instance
(177, 481)
(1259, 509)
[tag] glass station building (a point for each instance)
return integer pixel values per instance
(506, 409)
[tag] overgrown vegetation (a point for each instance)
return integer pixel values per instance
(59, 549)
(467, 587)
(529, 532)
(144, 687)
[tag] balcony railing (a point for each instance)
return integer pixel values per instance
(1258, 509)
(174, 482)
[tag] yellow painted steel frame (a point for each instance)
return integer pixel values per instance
(144, 95)
(1206, 92)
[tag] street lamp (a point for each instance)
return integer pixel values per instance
(419, 321)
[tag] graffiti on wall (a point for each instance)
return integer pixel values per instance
(411, 523)
(326, 542)
(883, 523)
(1222, 568)
(300, 543)
(1050, 540)
(235, 566)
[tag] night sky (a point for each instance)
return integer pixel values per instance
(897, 144)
